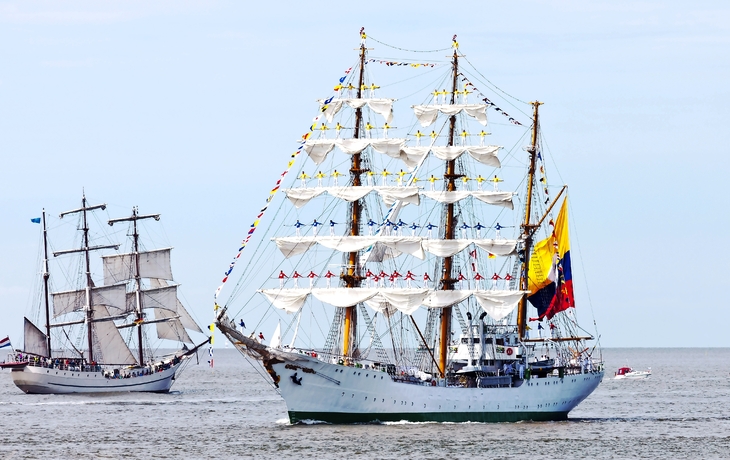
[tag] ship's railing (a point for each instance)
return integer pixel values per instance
(62, 364)
(77, 365)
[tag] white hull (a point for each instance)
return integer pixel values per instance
(341, 394)
(634, 376)
(41, 380)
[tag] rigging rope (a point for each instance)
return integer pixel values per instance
(410, 51)
(495, 86)
(273, 191)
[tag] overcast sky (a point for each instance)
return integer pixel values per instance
(191, 109)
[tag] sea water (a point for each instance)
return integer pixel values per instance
(232, 411)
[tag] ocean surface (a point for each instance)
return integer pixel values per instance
(681, 411)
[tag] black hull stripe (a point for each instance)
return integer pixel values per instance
(343, 417)
(109, 386)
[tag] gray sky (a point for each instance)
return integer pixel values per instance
(191, 109)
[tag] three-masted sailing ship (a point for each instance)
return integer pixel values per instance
(436, 312)
(137, 294)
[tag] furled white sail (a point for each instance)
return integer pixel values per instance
(111, 296)
(427, 114)
(490, 197)
(34, 341)
(443, 196)
(487, 155)
(344, 297)
(172, 329)
(293, 245)
(318, 149)
(412, 156)
(162, 297)
(390, 147)
(448, 153)
(301, 196)
(497, 303)
(414, 245)
(445, 248)
(406, 195)
(495, 198)
(289, 300)
(383, 107)
(406, 301)
(442, 299)
(500, 247)
(349, 193)
(109, 342)
(352, 146)
(152, 264)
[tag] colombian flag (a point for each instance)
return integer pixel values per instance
(550, 275)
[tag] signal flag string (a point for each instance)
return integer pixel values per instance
(273, 191)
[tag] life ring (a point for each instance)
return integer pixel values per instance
(509, 351)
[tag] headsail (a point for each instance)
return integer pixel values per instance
(35, 341)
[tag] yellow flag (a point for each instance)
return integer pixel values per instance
(543, 257)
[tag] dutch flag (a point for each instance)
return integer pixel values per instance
(5, 342)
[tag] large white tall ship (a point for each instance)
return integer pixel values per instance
(419, 268)
(96, 337)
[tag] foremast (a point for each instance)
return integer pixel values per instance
(527, 226)
(450, 176)
(88, 307)
(137, 274)
(352, 275)
(46, 276)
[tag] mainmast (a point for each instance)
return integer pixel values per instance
(527, 227)
(46, 275)
(450, 176)
(352, 277)
(85, 249)
(137, 276)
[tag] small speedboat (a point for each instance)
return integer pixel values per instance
(629, 373)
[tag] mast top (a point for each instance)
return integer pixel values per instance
(83, 208)
(133, 217)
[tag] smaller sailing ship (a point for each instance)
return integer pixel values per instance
(137, 293)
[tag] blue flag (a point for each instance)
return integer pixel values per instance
(36, 220)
